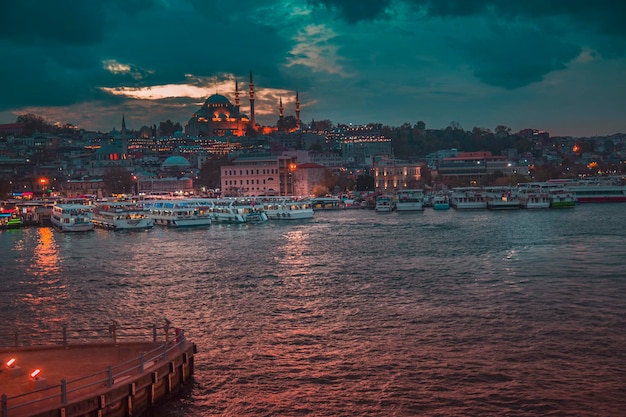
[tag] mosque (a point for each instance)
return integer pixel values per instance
(219, 117)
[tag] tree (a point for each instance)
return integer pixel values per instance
(118, 180)
(34, 124)
(211, 172)
(287, 124)
(420, 125)
(502, 131)
(365, 183)
(168, 128)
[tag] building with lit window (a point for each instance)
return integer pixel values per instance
(473, 166)
(394, 174)
(258, 175)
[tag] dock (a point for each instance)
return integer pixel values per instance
(110, 378)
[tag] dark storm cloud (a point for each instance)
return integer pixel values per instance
(605, 16)
(512, 58)
(354, 11)
(55, 53)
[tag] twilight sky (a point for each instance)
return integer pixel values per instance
(555, 65)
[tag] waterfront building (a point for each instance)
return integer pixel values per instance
(306, 176)
(253, 176)
(472, 167)
(392, 174)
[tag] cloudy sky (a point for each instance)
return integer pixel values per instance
(555, 65)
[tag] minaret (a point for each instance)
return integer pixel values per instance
(252, 102)
(280, 109)
(124, 139)
(123, 125)
(237, 95)
(297, 110)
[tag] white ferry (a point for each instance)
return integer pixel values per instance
(121, 215)
(237, 210)
(179, 213)
(410, 200)
(72, 217)
(468, 198)
(502, 198)
(598, 192)
(286, 208)
(559, 196)
(384, 204)
(534, 198)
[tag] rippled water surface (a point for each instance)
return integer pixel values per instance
(358, 313)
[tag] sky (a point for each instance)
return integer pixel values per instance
(555, 65)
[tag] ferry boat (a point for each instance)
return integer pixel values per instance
(468, 198)
(384, 204)
(121, 215)
(237, 210)
(327, 203)
(286, 208)
(179, 213)
(10, 220)
(409, 200)
(561, 198)
(72, 216)
(598, 192)
(534, 198)
(9, 215)
(440, 202)
(502, 198)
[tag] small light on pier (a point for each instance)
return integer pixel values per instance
(37, 381)
(11, 362)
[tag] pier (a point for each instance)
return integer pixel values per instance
(112, 372)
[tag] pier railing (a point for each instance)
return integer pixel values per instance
(64, 336)
(167, 341)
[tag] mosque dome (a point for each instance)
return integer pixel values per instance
(217, 100)
(175, 161)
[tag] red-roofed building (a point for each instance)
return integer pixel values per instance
(11, 129)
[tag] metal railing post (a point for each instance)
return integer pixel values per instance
(164, 351)
(154, 333)
(63, 391)
(113, 332)
(65, 335)
(5, 406)
(141, 362)
(109, 377)
(16, 339)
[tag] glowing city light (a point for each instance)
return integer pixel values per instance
(35, 373)
(11, 362)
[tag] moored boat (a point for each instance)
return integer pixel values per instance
(179, 213)
(467, 198)
(286, 208)
(327, 203)
(440, 202)
(121, 215)
(72, 216)
(384, 204)
(409, 200)
(237, 210)
(502, 198)
(534, 198)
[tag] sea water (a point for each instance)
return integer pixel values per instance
(357, 313)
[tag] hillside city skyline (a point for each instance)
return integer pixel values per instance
(551, 66)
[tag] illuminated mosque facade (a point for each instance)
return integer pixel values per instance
(219, 117)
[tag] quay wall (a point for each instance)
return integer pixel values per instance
(133, 395)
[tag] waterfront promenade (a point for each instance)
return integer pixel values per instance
(75, 379)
